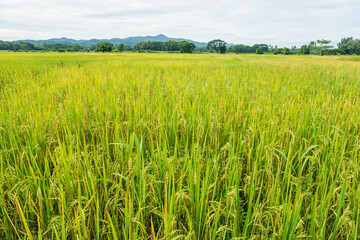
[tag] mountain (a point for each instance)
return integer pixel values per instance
(131, 41)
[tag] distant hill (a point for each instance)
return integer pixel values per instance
(131, 41)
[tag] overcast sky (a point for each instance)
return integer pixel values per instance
(276, 22)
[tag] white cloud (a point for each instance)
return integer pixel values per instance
(278, 22)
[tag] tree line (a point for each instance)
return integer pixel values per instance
(170, 46)
(347, 46)
(55, 47)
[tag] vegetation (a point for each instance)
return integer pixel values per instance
(129, 41)
(323, 46)
(259, 51)
(148, 45)
(286, 51)
(347, 46)
(186, 47)
(240, 48)
(173, 146)
(305, 49)
(217, 45)
(171, 46)
(104, 47)
(120, 47)
(56, 47)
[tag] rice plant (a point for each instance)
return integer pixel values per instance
(176, 146)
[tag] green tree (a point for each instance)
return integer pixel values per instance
(263, 46)
(349, 46)
(217, 45)
(141, 46)
(354, 47)
(120, 47)
(304, 50)
(312, 46)
(277, 51)
(25, 46)
(186, 47)
(128, 48)
(74, 48)
(104, 47)
(286, 51)
(323, 45)
(259, 51)
(200, 49)
(92, 47)
(240, 48)
(171, 45)
(344, 41)
(157, 46)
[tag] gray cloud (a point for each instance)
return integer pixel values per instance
(277, 22)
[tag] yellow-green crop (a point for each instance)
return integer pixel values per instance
(175, 146)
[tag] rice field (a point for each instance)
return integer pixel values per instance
(175, 146)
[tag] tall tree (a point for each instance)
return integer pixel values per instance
(104, 47)
(218, 45)
(186, 47)
(323, 45)
(240, 48)
(354, 47)
(312, 46)
(304, 50)
(263, 46)
(344, 41)
(349, 45)
(259, 51)
(286, 51)
(171, 45)
(120, 47)
(157, 46)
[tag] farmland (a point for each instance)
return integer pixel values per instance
(176, 146)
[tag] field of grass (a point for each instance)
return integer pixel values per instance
(172, 146)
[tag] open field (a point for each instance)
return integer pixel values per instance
(173, 146)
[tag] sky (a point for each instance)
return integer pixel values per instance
(275, 22)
